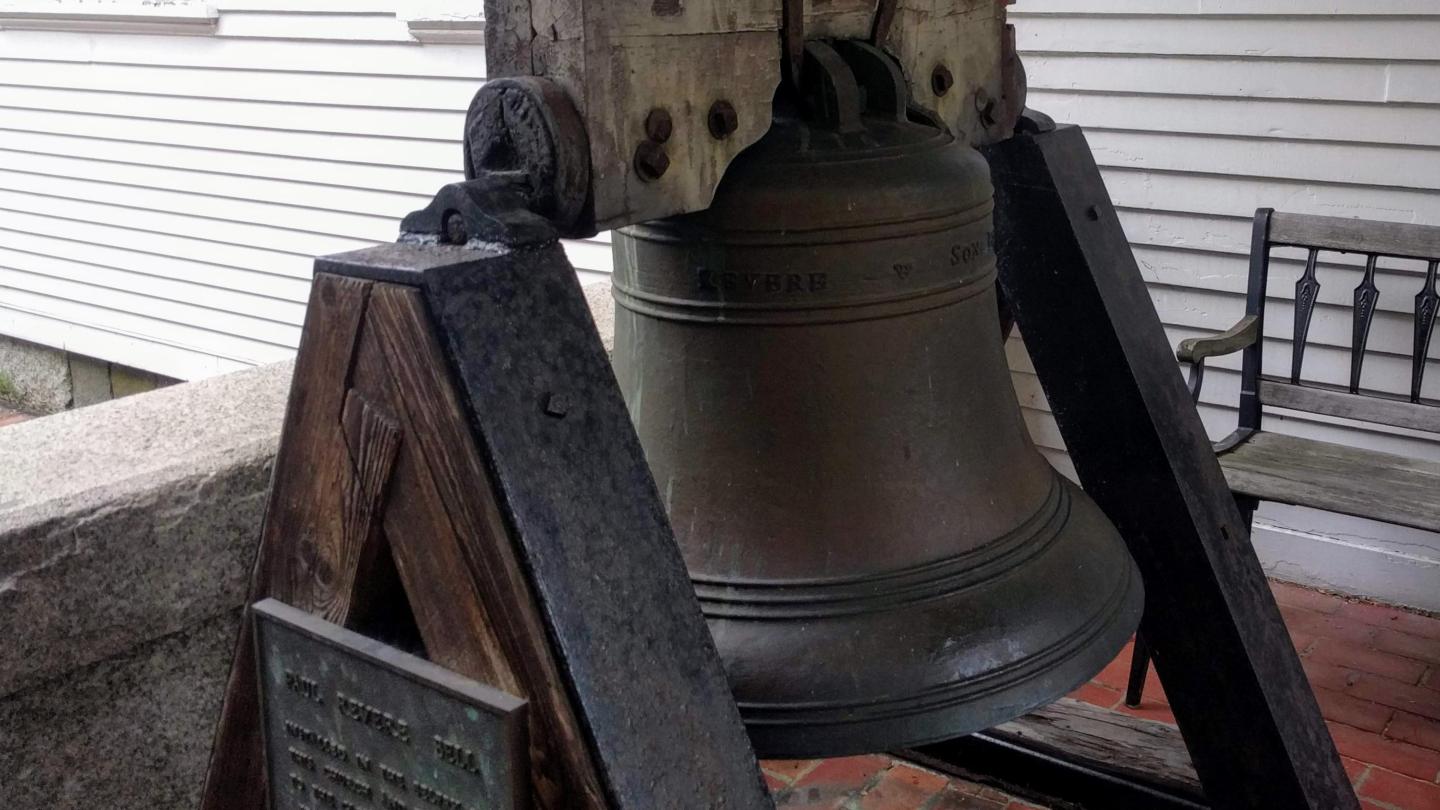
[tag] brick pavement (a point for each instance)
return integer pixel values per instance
(9, 417)
(1376, 675)
(876, 782)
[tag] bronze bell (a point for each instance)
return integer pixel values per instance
(815, 368)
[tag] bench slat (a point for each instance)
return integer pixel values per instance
(1335, 401)
(1356, 235)
(1349, 480)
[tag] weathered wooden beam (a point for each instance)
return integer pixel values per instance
(1071, 753)
(303, 549)
(1221, 649)
(618, 61)
(1355, 235)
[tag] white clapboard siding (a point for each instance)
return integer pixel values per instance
(162, 198)
(1201, 111)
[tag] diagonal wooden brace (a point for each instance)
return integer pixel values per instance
(1221, 649)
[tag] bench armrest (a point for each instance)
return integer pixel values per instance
(1195, 350)
(1232, 340)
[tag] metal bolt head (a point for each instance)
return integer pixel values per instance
(941, 80)
(658, 126)
(722, 119)
(556, 405)
(455, 233)
(985, 106)
(651, 162)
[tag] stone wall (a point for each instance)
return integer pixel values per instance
(40, 380)
(126, 535)
(34, 379)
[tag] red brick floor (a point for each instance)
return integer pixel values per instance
(9, 417)
(1375, 671)
(876, 783)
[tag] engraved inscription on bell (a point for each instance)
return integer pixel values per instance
(352, 724)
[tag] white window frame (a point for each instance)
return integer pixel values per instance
(195, 17)
(444, 21)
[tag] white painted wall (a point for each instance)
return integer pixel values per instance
(1200, 111)
(166, 179)
(164, 184)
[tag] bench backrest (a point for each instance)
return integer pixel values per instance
(1375, 241)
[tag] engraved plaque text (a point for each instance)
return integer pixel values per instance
(353, 724)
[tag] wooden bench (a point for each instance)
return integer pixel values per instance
(1265, 466)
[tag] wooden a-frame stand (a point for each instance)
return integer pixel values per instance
(458, 474)
(458, 471)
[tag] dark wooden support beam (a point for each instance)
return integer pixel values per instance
(1073, 754)
(1247, 713)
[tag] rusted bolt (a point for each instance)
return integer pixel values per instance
(658, 126)
(455, 233)
(651, 162)
(556, 405)
(722, 119)
(985, 106)
(940, 80)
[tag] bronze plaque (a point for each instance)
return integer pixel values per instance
(353, 724)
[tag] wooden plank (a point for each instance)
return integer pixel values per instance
(1247, 712)
(508, 38)
(968, 37)
(252, 84)
(108, 344)
(1214, 201)
(1118, 743)
(1180, 10)
(242, 332)
(302, 548)
(323, 119)
(1227, 277)
(287, 215)
(1376, 407)
(1232, 340)
(426, 149)
(216, 161)
(291, 289)
(160, 283)
(1406, 125)
(134, 322)
(1091, 757)
(1283, 37)
(1356, 235)
(483, 624)
(1350, 480)
(158, 231)
(372, 439)
(1304, 160)
(1252, 78)
(293, 56)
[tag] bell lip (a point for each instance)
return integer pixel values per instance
(874, 712)
(803, 736)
